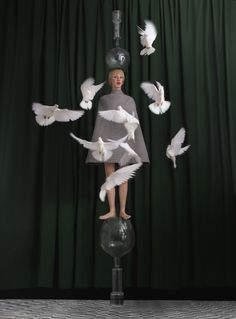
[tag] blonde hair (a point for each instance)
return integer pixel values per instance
(112, 72)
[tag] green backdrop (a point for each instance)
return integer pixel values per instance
(184, 219)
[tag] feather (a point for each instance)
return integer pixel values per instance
(65, 115)
(88, 90)
(157, 94)
(174, 149)
(46, 115)
(147, 37)
(128, 155)
(118, 177)
(102, 151)
(121, 116)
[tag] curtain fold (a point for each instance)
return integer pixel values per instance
(184, 218)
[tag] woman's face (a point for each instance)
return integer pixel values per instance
(117, 80)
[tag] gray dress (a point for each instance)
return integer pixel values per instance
(107, 129)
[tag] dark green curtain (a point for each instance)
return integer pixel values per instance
(184, 219)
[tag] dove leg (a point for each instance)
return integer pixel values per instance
(109, 169)
(123, 191)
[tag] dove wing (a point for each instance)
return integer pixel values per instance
(183, 149)
(86, 87)
(126, 147)
(94, 89)
(150, 31)
(121, 175)
(113, 115)
(40, 109)
(113, 144)
(179, 137)
(130, 118)
(177, 141)
(151, 90)
(140, 30)
(65, 115)
(86, 144)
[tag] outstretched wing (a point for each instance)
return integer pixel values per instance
(113, 144)
(183, 149)
(113, 115)
(177, 141)
(121, 175)
(65, 115)
(179, 137)
(130, 153)
(151, 90)
(85, 88)
(150, 32)
(89, 90)
(95, 88)
(118, 177)
(41, 109)
(86, 144)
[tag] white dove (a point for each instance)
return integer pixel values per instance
(121, 116)
(147, 37)
(157, 94)
(117, 178)
(174, 149)
(88, 91)
(46, 115)
(101, 150)
(128, 154)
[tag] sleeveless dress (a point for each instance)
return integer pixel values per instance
(108, 129)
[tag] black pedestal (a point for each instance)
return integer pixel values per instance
(117, 295)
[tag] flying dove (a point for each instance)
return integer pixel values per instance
(157, 94)
(174, 149)
(147, 37)
(88, 90)
(46, 115)
(117, 178)
(121, 116)
(101, 150)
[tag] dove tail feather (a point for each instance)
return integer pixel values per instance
(102, 195)
(150, 50)
(165, 106)
(143, 51)
(131, 135)
(154, 108)
(86, 105)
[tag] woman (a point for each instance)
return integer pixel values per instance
(107, 129)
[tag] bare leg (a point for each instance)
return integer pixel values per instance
(109, 169)
(123, 190)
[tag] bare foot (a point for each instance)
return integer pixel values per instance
(107, 215)
(124, 215)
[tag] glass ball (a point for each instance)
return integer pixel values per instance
(117, 58)
(117, 236)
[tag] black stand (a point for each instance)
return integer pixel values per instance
(117, 295)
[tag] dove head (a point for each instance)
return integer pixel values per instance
(100, 141)
(168, 152)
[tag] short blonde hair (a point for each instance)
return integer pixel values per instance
(112, 72)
